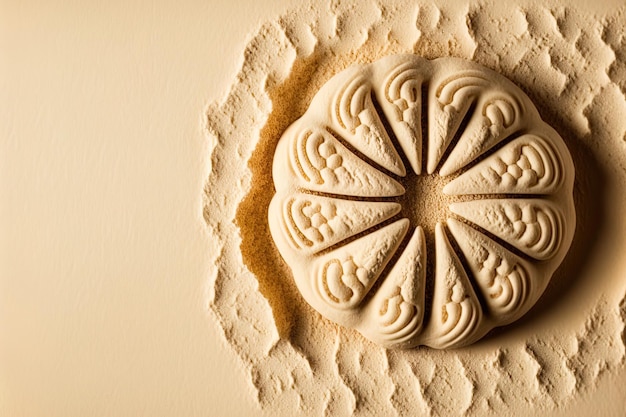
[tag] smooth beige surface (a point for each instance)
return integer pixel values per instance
(103, 248)
(103, 252)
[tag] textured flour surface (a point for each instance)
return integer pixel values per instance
(573, 67)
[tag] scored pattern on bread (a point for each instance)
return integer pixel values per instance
(337, 221)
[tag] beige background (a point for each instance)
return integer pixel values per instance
(103, 254)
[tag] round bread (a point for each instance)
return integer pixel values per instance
(337, 222)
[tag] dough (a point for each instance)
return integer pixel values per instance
(337, 222)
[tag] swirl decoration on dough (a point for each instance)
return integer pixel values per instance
(313, 223)
(336, 224)
(358, 120)
(526, 165)
(352, 108)
(317, 159)
(498, 112)
(320, 162)
(506, 286)
(533, 226)
(403, 92)
(343, 282)
(396, 311)
(347, 274)
(504, 279)
(455, 311)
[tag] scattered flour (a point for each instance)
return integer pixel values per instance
(573, 67)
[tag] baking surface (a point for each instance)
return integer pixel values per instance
(104, 254)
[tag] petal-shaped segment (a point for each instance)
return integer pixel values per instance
(358, 122)
(456, 311)
(527, 165)
(503, 278)
(401, 102)
(533, 226)
(319, 162)
(498, 113)
(342, 277)
(395, 315)
(450, 98)
(311, 223)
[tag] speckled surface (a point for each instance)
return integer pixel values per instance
(569, 63)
